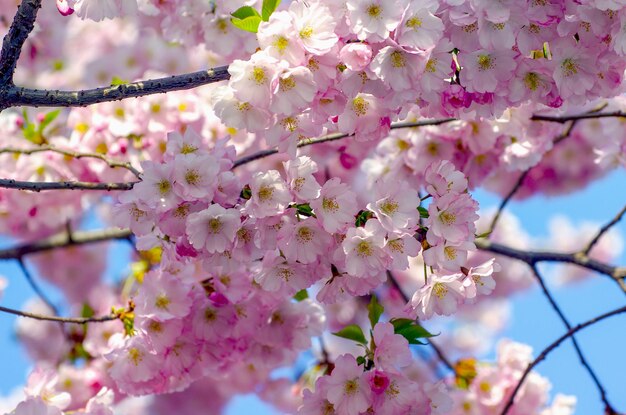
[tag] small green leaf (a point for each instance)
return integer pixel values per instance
(363, 217)
(400, 323)
(245, 11)
(375, 310)
(301, 295)
(423, 212)
(414, 332)
(87, 311)
(483, 235)
(268, 8)
(360, 360)
(118, 81)
(48, 118)
(305, 209)
(352, 332)
(246, 193)
(249, 24)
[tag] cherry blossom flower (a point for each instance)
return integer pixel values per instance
(347, 389)
(270, 194)
(440, 295)
(373, 19)
(213, 229)
(364, 251)
(315, 26)
(336, 206)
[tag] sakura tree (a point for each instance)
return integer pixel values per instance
(307, 194)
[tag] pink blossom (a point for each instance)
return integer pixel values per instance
(301, 180)
(420, 28)
(356, 56)
(395, 205)
(280, 39)
(64, 7)
(373, 20)
(348, 390)
(440, 295)
(392, 350)
(452, 217)
(304, 241)
(336, 206)
(163, 296)
(315, 25)
(196, 176)
(479, 279)
(293, 91)
(485, 70)
(364, 251)
(270, 194)
(214, 228)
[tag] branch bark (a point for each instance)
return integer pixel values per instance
(39, 186)
(553, 346)
(23, 23)
(62, 240)
(74, 320)
(20, 96)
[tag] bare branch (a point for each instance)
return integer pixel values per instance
(39, 186)
(73, 320)
(336, 136)
(77, 155)
(553, 346)
(586, 116)
(440, 354)
(23, 23)
(62, 240)
(520, 181)
(533, 257)
(568, 326)
(36, 288)
(604, 230)
(19, 96)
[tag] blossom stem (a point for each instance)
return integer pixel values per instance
(73, 320)
(39, 186)
(603, 230)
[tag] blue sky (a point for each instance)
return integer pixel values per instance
(533, 321)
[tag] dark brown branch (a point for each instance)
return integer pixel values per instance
(568, 326)
(604, 230)
(534, 257)
(39, 186)
(520, 181)
(336, 136)
(23, 23)
(36, 288)
(73, 320)
(553, 346)
(440, 354)
(111, 163)
(586, 116)
(19, 96)
(62, 240)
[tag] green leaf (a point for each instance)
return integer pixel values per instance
(301, 295)
(414, 332)
(375, 310)
(48, 118)
(268, 8)
(118, 81)
(246, 193)
(400, 323)
(245, 11)
(423, 212)
(87, 311)
(305, 209)
(363, 217)
(360, 360)
(249, 24)
(352, 332)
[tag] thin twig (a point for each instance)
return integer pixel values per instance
(440, 354)
(73, 320)
(603, 230)
(520, 181)
(336, 136)
(19, 96)
(62, 240)
(553, 346)
(73, 154)
(568, 326)
(39, 186)
(36, 288)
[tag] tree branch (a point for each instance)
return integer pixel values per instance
(568, 326)
(603, 230)
(336, 136)
(62, 240)
(534, 257)
(586, 116)
(111, 163)
(23, 23)
(553, 346)
(39, 186)
(36, 288)
(19, 96)
(74, 320)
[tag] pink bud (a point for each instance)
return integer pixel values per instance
(64, 7)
